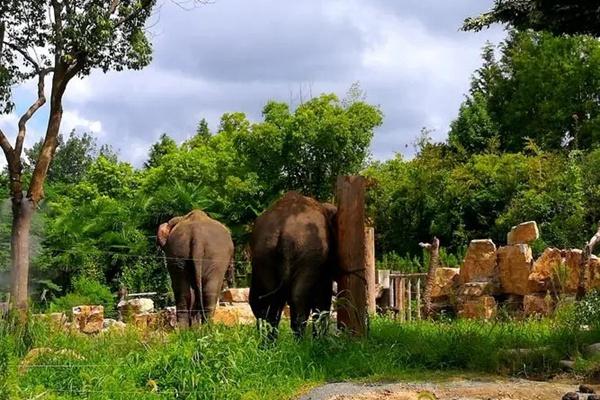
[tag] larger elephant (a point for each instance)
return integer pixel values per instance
(293, 260)
(198, 251)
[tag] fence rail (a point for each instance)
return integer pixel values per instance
(402, 293)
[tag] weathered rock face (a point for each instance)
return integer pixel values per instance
(480, 262)
(538, 304)
(523, 233)
(572, 262)
(129, 308)
(88, 319)
(237, 313)
(543, 270)
(445, 282)
(472, 290)
(592, 276)
(483, 307)
(236, 295)
(514, 266)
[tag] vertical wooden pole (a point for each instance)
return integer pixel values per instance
(352, 283)
(418, 298)
(400, 288)
(409, 302)
(370, 270)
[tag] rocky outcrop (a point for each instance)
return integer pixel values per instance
(88, 319)
(234, 314)
(537, 305)
(544, 269)
(444, 282)
(483, 307)
(514, 266)
(129, 308)
(524, 233)
(236, 295)
(479, 264)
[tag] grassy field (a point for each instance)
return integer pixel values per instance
(217, 362)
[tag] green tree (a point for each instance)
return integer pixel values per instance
(542, 87)
(71, 160)
(557, 16)
(164, 146)
(64, 39)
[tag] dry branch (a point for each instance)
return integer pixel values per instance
(434, 251)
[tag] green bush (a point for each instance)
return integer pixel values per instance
(85, 292)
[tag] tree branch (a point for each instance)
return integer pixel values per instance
(41, 100)
(143, 7)
(5, 145)
(25, 55)
(585, 258)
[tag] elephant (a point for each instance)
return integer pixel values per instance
(199, 252)
(293, 261)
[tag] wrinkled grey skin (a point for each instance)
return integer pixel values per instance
(199, 252)
(293, 261)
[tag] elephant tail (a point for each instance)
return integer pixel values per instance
(286, 272)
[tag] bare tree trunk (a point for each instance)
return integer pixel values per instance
(22, 214)
(585, 259)
(434, 261)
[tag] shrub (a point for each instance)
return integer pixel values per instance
(85, 291)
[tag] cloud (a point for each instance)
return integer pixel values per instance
(235, 55)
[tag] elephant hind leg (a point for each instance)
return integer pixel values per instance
(212, 284)
(182, 291)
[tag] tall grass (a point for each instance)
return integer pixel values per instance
(217, 362)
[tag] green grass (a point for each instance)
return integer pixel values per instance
(217, 362)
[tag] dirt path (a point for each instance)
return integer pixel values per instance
(487, 389)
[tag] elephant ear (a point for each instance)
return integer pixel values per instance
(163, 234)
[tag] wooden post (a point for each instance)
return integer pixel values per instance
(352, 283)
(418, 298)
(370, 270)
(409, 295)
(400, 290)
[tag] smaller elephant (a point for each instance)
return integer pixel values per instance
(293, 260)
(199, 252)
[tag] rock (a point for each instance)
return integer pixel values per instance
(445, 281)
(237, 313)
(593, 273)
(541, 275)
(514, 266)
(110, 323)
(483, 307)
(236, 295)
(593, 396)
(480, 261)
(475, 289)
(523, 233)
(593, 349)
(538, 304)
(571, 396)
(88, 319)
(567, 364)
(128, 308)
(572, 262)
(585, 389)
(146, 321)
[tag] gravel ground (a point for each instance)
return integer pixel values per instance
(492, 389)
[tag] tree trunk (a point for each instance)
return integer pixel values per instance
(588, 249)
(22, 214)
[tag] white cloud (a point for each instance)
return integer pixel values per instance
(71, 120)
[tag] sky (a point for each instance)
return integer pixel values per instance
(409, 57)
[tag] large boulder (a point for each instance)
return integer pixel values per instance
(234, 314)
(129, 308)
(556, 270)
(572, 264)
(473, 290)
(236, 295)
(537, 304)
(88, 319)
(544, 269)
(445, 282)
(480, 261)
(514, 266)
(483, 307)
(592, 276)
(523, 233)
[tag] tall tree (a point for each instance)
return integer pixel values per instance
(62, 39)
(164, 146)
(556, 16)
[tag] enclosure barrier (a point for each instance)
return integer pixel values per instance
(402, 294)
